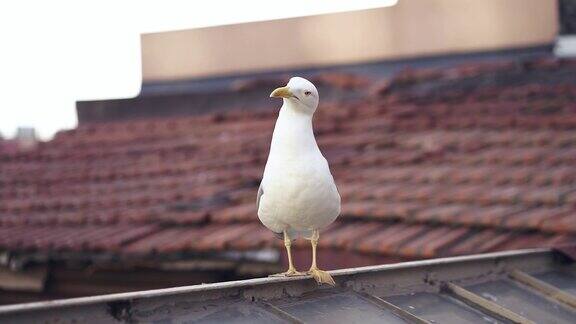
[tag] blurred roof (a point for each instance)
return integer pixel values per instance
(251, 90)
(530, 286)
(434, 162)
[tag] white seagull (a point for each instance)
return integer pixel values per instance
(297, 195)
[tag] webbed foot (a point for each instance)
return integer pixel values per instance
(291, 272)
(321, 276)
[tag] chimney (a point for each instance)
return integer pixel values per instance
(26, 138)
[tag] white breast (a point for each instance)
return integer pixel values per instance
(299, 192)
(303, 198)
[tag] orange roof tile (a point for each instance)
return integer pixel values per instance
(438, 162)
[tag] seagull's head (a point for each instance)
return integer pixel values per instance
(300, 93)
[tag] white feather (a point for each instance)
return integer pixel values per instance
(298, 191)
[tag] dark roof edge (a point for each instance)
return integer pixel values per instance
(379, 68)
(484, 264)
(198, 96)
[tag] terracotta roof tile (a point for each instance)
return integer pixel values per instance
(380, 210)
(347, 235)
(442, 214)
(565, 223)
(244, 212)
(161, 241)
(480, 242)
(389, 240)
(429, 244)
(221, 238)
(492, 216)
(536, 218)
(258, 237)
(84, 238)
(424, 165)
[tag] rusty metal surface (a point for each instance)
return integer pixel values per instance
(264, 299)
(544, 288)
(486, 305)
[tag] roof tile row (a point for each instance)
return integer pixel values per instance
(426, 166)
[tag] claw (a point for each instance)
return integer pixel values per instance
(288, 273)
(321, 277)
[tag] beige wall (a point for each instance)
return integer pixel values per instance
(411, 28)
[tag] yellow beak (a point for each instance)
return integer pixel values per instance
(283, 92)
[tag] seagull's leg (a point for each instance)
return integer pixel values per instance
(321, 276)
(291, 269)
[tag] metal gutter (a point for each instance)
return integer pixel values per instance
(156, 293)
(369, 283)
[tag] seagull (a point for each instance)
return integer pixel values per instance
(297, 196)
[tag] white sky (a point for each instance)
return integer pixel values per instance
(54, 52)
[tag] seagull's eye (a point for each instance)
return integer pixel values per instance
(307, 93)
